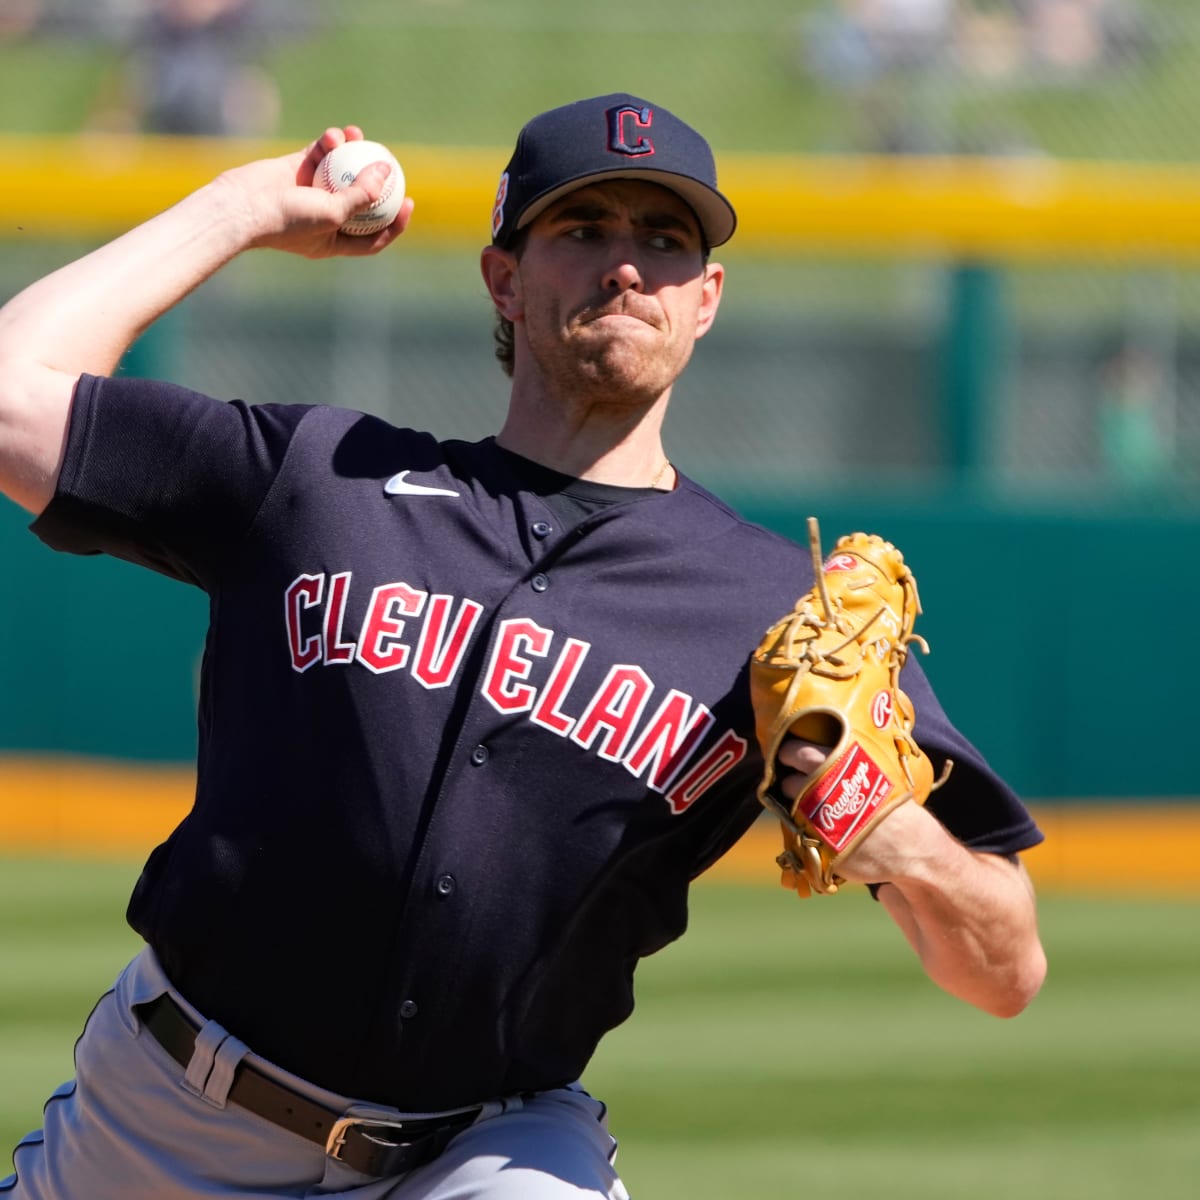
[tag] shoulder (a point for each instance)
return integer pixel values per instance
(744, 546)
(714, 516)
(737, 577)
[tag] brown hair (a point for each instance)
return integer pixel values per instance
(502, 335)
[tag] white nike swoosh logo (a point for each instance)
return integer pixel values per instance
(399, 485)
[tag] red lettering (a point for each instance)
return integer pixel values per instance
(722, 758)
(439, 654)
(303, 592)
(615, 707)
(379, 648)
(668, 739)
(507, 664)
(548, 714)
(660, 750)
(337, 651)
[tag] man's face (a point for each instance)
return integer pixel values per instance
(612, 290)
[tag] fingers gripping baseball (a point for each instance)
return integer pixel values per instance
(826, 677)
(297, 210)
(368, 172)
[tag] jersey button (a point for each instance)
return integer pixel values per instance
(445, 885)
(479, 756)
(539, 582)
(408, 1009)
(542, 529)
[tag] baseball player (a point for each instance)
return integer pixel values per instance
(472, 715)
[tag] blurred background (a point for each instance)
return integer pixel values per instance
(962, 311)
(962, 306)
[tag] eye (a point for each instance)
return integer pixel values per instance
(666, 242)
(583, 233)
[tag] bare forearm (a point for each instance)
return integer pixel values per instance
(84, 316)
(971, 919)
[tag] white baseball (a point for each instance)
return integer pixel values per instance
(340, 168)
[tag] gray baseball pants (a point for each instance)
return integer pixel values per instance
(135, 1125)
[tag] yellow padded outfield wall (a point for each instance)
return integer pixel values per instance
(86, 807)
(92, 186)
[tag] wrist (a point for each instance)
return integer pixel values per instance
(909, 848)
(232, 214)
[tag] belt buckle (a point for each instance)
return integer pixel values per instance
(335, 1143)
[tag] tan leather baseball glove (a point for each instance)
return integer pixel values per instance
(829, 672)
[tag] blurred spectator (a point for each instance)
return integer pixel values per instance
(196, 67)
(1066, 35)
(861, 39)
(1066, 39)
(874, 50)
(18, 17)
(990, 39)
(853, 44)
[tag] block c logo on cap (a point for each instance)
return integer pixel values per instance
(625, 122)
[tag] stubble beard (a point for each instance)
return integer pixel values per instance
(617, 371)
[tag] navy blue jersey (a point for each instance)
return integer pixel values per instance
(457, 763)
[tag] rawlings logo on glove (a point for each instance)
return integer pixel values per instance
(829, 672)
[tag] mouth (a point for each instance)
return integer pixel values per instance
(623, 310)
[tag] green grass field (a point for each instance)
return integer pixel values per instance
(783, 1048)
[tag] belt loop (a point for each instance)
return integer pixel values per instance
(220, 1070)
(208, 1041)
(225, 1063)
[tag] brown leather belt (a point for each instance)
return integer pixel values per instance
(374, 1147)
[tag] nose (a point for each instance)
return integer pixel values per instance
(623, 273)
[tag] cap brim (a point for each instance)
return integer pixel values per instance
(715, 213)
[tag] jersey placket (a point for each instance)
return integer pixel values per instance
(449, 884)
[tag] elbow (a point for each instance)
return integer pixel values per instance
(1019, 986)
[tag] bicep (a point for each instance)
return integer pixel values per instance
(35, 409)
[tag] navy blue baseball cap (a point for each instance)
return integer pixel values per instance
(608, 137)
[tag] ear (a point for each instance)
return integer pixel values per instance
(502, 277)
(710, 299)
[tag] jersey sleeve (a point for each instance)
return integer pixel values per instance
(974, 803)
(163, 476)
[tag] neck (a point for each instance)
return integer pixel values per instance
(619, 446)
